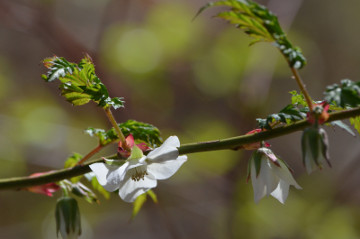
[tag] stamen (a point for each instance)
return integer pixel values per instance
(138, 173)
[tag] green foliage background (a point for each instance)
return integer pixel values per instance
(196, 79)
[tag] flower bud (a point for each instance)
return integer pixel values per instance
(315, 146)
(47, 189)
(67, 216)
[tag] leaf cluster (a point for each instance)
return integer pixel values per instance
(141, 131)
(79, 83)
(289, 114)
(259, 23)
(345, 95)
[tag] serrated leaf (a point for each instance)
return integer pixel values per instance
(259, 23)
(347, 94)
(142, 132)
(58, 67)
(287, 115)
(79, 83)
(297, 99)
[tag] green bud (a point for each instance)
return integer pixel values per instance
(67, 216)
(315, 146)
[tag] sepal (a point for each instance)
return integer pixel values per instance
(67, 217)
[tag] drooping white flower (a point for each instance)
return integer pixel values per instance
(140, 173)
(270, 176)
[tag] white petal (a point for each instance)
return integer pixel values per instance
(172, 141)
(109, 176)
(258, 184)
(267, 175)
(129, 189)
(166, 169)
(284, 173)
(167, 151)
(281, 192)
(102, 172)
(133, 163)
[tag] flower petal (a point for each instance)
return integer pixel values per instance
(166, 169)
(109, 176)
(270, 179)
(281, 192)
(284, 174)
(167, 151)
(257, 183)
(129, 189)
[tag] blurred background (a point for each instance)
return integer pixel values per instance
(197, 79)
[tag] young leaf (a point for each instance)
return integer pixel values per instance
(259, 23)
(356, 122)
(73, 160)
(79, 83)
(297, 99)
(58, 67)
(347, 94)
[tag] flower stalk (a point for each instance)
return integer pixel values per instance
(117, 128)
(90, 154)
(302, 87)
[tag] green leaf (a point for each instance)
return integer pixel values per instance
(287, 115)
(138, 204)
(347, 94)
(79, 83)
(141, 131)
(58, 67)
(259, 23)
(71, 162)
(297, 99)
(356, 123)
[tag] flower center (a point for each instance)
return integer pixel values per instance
(138, 173)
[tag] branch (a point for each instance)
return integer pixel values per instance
(229, 143)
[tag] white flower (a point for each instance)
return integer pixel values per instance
(140, 173)
(270, 176)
